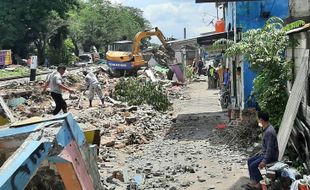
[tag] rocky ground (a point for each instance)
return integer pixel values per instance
(145, 149)
(188, 153)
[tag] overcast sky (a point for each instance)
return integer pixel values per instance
(171, 16)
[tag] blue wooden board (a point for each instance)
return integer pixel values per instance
(22, 165)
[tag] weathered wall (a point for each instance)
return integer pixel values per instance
(252, 15)
(299, 8)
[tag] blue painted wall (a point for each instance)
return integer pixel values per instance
(249, 17)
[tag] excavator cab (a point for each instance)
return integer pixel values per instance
(121, 58)
(124, 45)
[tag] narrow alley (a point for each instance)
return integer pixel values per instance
(187, 154)
(155, 95)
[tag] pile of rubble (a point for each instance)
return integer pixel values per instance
(122, 126)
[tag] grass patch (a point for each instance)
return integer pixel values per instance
(21, 71)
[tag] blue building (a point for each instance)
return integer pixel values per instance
(250, 15)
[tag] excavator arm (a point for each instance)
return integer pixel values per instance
(134, 59)
(141, 35)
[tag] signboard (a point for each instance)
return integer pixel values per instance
(5, 57)
(34, 62)
(178, 57)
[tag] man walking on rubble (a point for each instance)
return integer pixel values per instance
(55, 82)
(93, 85)
(268, 154)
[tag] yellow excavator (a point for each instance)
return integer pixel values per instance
(122, 59)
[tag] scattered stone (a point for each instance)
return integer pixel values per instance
(130, 120)
(118, 175)
(185, 183)
(200, 179)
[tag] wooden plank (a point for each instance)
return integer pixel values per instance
(28, 121)
(6, 110)
(68, 176)
(19, 169)
(292, 105)
(93, 136)
(72, 154)
(87, 154)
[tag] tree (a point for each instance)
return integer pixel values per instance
(99, 23)
(264, 48)
(26, 22)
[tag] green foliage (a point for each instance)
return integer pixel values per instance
(98, 22)
(26, 22)
(264, 48)
(189, 72)
(293, 25)
(21, 71)
(139, 91)
(63, 55)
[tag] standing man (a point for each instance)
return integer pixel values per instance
(227, 78)
(211, 78)
(55, 83)
(220, 72)
(93, 85)
(268, 154)
(200, 66)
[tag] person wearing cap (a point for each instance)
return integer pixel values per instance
(93, 85)
(55, 83)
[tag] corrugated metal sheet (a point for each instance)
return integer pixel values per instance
(293, 104)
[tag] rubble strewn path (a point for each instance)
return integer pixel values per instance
(184, 154)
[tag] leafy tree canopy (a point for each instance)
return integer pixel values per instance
(100, 23)
(264, 48)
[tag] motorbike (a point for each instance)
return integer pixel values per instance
(279, 176)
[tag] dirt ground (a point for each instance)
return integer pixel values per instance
(187, 154)
(175, 150)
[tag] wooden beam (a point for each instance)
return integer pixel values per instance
(293, 104)
(22, 165)
(68, 176)
(86, 153)
(6, 110)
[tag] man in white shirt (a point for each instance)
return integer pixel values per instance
(93, 85)
(55, 84)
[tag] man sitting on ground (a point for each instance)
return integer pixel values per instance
(268, 154)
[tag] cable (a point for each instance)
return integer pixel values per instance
(272, 5)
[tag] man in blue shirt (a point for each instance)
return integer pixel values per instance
(268, 154)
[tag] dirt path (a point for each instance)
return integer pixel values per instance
(184, 155)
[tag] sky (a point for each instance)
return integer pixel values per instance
(172, 16)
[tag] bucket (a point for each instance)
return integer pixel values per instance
(263, 185)
(302, 185)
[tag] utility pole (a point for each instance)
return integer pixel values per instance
(234, 77)
(184, 33)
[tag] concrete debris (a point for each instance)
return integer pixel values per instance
(142, 148)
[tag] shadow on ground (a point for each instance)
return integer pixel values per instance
(240, 184)
(198, 126)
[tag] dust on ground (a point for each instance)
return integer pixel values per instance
(187, 154)
(145, 149)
